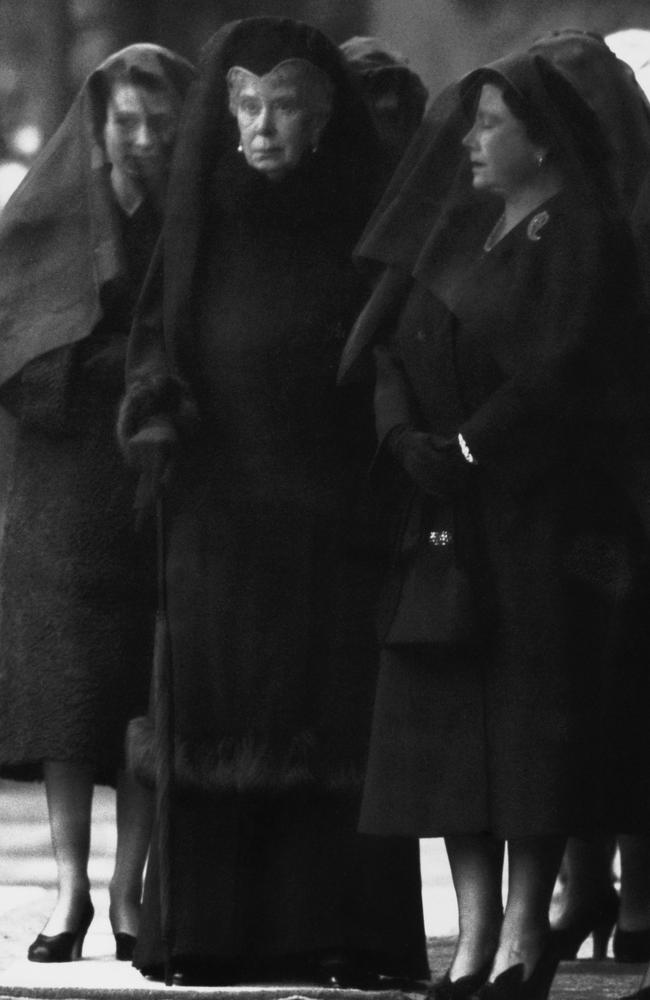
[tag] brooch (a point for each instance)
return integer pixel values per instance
(440, 538)
(536, 224)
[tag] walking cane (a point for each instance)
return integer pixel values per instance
(163, 709)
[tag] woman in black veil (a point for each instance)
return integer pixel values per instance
(270, 586)
(506, 333)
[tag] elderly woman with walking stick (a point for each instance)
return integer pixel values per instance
(270, 583)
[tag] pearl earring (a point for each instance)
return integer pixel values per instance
(539, 160)
(240, 148)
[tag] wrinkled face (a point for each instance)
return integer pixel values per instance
(140, 131)
(276, 127)
(504, 160)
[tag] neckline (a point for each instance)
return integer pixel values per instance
(496, 236)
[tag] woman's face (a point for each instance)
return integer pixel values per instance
(140, 131)
(275, 126)
(503, 159)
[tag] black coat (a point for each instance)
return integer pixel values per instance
(270, 588)
(501, 730)
(76, 583)
(270, 592)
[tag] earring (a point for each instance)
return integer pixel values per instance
(539, 160)
(240, 148)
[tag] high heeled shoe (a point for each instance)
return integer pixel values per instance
(65, 947)
(595, 921)
(462, 988)
(511, 984)
(124, 946)
(631, 946)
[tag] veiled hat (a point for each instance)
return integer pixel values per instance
(430, 214)
(59, 238)
(346, 161)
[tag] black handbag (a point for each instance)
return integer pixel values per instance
(428, 596)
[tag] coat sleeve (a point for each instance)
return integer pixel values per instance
(575, 321)
(157, 402)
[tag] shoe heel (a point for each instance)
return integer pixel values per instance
(600, 939)
(596, 922)
(78, 942)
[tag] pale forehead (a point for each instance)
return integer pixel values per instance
(491, 99)
(129, 98)
(268, 89)
(305, 83)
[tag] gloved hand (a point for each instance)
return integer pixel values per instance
(434, 463)
(152, 451)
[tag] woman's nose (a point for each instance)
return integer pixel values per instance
(143, 136)
(266, 122)
(468, 138)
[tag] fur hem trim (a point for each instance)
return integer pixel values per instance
(243, 767)
(156, 396)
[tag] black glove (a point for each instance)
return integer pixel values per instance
(434, 463)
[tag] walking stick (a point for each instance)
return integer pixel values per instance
(163, 709)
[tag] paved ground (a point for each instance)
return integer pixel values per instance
(27, 890)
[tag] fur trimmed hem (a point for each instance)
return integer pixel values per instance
(155, 396)
(243, 768)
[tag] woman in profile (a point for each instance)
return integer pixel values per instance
(232, 372)
(505, 330)
(77, 582)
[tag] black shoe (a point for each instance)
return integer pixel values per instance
(461, 988)
(631, 946)
(124, 946)
(596, 921)
(65, 947)
(511, 985)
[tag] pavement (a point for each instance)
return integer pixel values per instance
(28, 890)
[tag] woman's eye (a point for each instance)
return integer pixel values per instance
(250, 107)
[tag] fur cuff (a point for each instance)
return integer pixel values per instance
(242, 767)
(153, 396)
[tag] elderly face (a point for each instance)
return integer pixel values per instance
(276, 124)
(504, 160)
(140, 131)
